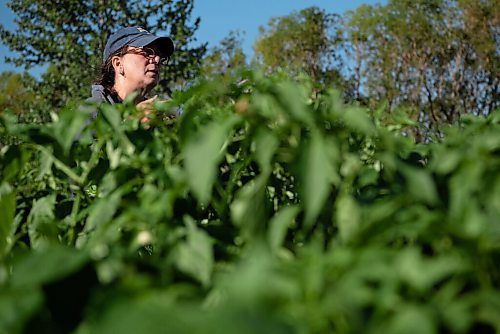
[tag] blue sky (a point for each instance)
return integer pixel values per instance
(219, 17)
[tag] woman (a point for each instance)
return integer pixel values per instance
(132, 61)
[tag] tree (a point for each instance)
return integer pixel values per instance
(437, 58)
(308, 40)
(70, 36)
(14, 95)
(226, 58)
(481, 28)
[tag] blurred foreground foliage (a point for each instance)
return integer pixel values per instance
(265, 207)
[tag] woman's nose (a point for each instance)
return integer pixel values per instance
(155, 59)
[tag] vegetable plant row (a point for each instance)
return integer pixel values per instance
(266, 207)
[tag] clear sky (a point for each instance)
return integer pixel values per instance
(219, 17)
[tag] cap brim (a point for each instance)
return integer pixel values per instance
(165, 44)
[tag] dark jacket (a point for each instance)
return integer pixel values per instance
(99, 95)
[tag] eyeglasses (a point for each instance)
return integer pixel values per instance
(149, 53)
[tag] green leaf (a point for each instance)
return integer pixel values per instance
(462, 186)
(413, 319)
(159, 311)
(446, 160)
(68, 127)
(114, 155)
(203, 153)
(248, 210)
(456, 311)
(266, 144)
(358, 120)
(102, 211)
(150, 312)
(7, 213)
(112, 115)
(420, 184)
(16, 307)
(316, 173)
(423, 273)
(347, 217)
(279, 225)
(292, 98)
(255, 282)
(266, 105)
(42, 228)
(12, 162)
(37, 268)
(195, 255)
(46, 163)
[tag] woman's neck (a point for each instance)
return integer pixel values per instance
(123, 91)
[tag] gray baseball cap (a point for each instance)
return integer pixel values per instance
(138, 37)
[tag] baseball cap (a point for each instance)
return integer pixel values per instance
(138, 37)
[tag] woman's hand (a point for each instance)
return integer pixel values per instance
(146, 107)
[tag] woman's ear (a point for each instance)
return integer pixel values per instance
(117, 65)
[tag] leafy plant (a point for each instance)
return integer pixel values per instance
(266, 206)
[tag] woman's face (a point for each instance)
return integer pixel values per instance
(141, 67)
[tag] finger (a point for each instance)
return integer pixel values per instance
(151, 99)
(146, 102)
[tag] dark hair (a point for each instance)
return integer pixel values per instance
(106, 77)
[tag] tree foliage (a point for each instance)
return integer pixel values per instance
(307, 41)
(14, 94)
(439, 58)
(70, 37)
(225, 59)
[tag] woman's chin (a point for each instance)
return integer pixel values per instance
(150, 82)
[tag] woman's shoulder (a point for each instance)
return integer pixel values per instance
(100, 94)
